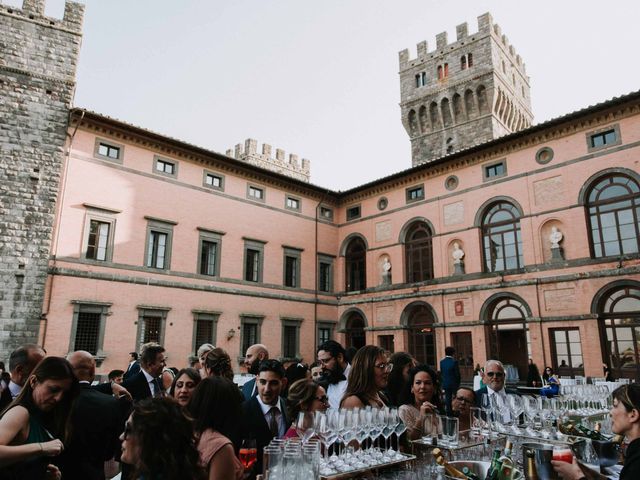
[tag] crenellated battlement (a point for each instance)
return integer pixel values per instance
(463, 37)
(293, 167)
(33, 10)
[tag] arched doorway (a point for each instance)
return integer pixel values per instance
(354, 331)
(355, 265)
(619, 315)
(507, 332)
(419, 320)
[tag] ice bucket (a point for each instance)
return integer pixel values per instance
(542, 455)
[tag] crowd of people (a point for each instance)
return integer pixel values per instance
(155, 423)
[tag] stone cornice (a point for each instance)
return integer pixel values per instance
(40, 76)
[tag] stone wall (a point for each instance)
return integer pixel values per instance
(37, 80)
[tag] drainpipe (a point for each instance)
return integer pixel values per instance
(315, 268)
(56, 237)
(544, 352)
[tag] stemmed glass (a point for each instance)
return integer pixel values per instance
(516, 405)
(400, 429)
(305, 427)
(389, 426)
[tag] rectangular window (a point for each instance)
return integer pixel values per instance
(290, 271)
(290, 338)
(353, 212)
(205, 326)
(158, 248)
(385, 342)
(250, 326)
(324, 334)
(494, 170)
(108, 150)
(166, 167)
(151, 325)
(255, 193)
(326, 213)
(253, 260)
(213, 180)
(566, 351)
(414, 194)
(292, 266)
(208, 258)
(292, 203)
(325, 273)
(602, 139)
(421, 79)
(98, 241)
(87, 331)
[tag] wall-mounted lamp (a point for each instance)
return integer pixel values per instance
(231, 333)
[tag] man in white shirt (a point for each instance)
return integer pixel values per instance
(146, 382)
(494, 379)
(335, 368)
(21, 363)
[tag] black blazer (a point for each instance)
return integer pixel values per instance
(256, 426)
(132, 369)
(138, 386)
(97, 421)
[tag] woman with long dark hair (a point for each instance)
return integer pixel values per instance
(399, 376)
(422, 397)
(217, 362)
(158, 441)
(184, 385)
(35, 425)
(368, 377)
(216, 408)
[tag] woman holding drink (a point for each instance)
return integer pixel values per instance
(625, 420)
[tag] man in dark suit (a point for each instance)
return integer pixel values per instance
(265, 415)
(22, 361)
(96, 421)
(134, 366)
(255, 354)
(494, 380)
(450, 375)
(146, 382)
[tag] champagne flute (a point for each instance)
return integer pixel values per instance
(305, 426)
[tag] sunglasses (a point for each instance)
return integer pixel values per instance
(324, 399)
(495, 374)
(387, 367)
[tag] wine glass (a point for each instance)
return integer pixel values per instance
(305, 426)
(248, 453)
(516, 405)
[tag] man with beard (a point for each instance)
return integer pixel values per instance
(335, 370)
(255, 354)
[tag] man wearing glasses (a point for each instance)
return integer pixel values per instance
(335, 370)
(494, 380)
(461, 405)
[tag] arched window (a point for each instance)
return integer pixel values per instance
(463, 62)
(422, 335)
(501, 239)
(413, 122)
(355, 262)
(619, 314)
(507, 332)
(613, 209)
(354, 331)
(419, 253)
(440, 74)
(470, 59)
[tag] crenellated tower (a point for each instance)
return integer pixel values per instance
(300, 170)
(38, 58)
(463, 93)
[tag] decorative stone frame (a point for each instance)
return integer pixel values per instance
(204, 315)
(108, 143)
(212, 236)
(207, 173)
(103, 308)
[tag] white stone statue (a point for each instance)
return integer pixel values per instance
(386, 272)
(457, 254)
(555, 237)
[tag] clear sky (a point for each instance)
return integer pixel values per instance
(319, 78)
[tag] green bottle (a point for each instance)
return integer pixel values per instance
(492, 473)
(470, 475)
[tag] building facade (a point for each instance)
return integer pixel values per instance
(522, 246)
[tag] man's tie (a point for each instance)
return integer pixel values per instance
(158, 388)
(273, 421)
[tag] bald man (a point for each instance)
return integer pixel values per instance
(255, 354)
(97, 421)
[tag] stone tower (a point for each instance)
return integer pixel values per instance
(38, 57)
(463, 93)
(291, 168)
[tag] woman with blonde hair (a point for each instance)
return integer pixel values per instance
(369, 375)
(218, 363)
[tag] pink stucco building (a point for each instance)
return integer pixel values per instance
(157, 239)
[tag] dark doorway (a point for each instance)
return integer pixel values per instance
(422, 336)
(355, 331)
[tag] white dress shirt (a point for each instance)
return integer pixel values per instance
(282, 428)
(335, 392)
(500, 398)
(151, 381)
(14, 388)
